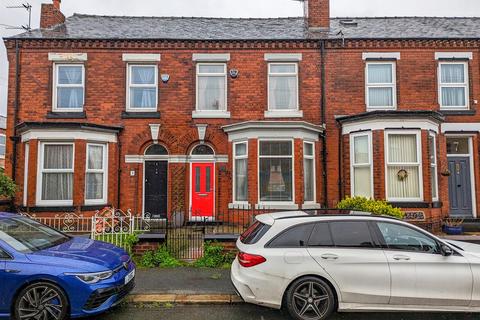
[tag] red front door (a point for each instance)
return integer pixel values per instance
(203, 190)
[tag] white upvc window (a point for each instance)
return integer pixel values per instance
(276, 173)
(211, 88)
(69, 87)
(453, 85)
(403, 159)
(381, 85)
(432, 141)
(309, 177)
(361, 161)
(3, 142)
(283, 87)
(142, 88)
(96, 174)
(240, 173)
(55, 180)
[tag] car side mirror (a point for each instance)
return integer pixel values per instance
(446, 250)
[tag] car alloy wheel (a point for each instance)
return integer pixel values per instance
(41, 301)
(310, 299)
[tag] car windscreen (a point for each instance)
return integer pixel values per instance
(28, 236)
(254, 233)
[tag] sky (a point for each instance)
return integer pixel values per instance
(223, 8)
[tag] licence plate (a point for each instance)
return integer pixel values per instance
(130, 276)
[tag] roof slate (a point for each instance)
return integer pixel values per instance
(80, 26)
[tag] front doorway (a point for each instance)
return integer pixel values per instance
(155, 202)
(202, 183)
(460, 179)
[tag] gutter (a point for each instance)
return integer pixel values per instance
(323, 106)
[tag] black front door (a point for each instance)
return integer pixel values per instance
(460, 187)
(156, 188)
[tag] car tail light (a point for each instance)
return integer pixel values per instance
(250, 260)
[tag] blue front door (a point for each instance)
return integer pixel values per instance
(460, 186)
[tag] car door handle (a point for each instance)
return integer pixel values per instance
(329, 256)
(401, 258)
(12, 271)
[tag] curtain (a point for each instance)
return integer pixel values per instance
(402, 149)
(276, 179)
(95, 157)
(211, 93)
(361, 150)
(309, 179)
(241, 180)
(283, 92)
(94, 189)
(58, 157)
(380, 97)
(145, 96)
(453, 97)
(408, 188)
(362, 180)
(453, 73)
(380, 73)
(70, 87)
(57, 185)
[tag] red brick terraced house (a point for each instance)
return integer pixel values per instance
(199, 115)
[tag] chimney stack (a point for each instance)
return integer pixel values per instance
(51, 14)
(317, 14)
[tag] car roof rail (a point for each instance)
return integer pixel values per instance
(324, 214)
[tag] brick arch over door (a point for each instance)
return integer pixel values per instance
(165, 137)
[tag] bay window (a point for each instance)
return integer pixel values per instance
(211, 87)
(142, 92)
(361, 165)
(453, 85)
(69, 87)
(56, 174)
(283, 87)
(240, 168)
(381, 85)
(433, 165)
(276, 171)
(309, 171)
(403, 164)
(95, 179)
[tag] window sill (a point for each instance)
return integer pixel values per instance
(311, 206)
(239, 206)
(211, 115)
(94, 207)
(276, 206)
(284, 114)
(66, 115)
(411, 204)
(140, 115)
(50, 209)
(369, 109)
(450, 112)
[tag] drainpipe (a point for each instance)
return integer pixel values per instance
(14, 138)
(323, 107)
(119, 170)
(340, 164)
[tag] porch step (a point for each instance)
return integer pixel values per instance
(471, 225)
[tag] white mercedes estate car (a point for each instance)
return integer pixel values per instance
(314, 265)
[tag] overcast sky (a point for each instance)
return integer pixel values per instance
(225, 8)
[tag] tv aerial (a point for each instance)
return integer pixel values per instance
(26, 6)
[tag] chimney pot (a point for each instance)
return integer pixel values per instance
(56, 4)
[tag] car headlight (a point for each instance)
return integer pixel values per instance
(91, 278)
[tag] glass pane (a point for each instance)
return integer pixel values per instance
(143, 75)
(276, 179)
(380, 97)
(3, 139)
(380, 73)
(321, 236)
(57, 186)
(402, 148)
(361, 150)
(95, 157)
(70, 75)
(275, 148)
(283, 93)
(143, 98)
(94, 188)
(433, 181)
(308, 149)
(197, 179)
(294, 237)
(2, 150)
(208, 68)
(241, 149)
(458, 146)
(202, 150)
(453, 73)
(156, 150)
(431, 150)
(309, 179)
(70, 97)
(208, 178)
(58, 157)
(211, 93)
(241, 180)
(351, 234)
(399, 237)
(362, 181)
(403, 182)
(283, 68)
(453, 97)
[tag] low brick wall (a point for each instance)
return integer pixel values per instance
(141, 247)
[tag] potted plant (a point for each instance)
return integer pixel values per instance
(453, 226)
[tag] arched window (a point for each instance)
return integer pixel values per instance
(203, 150)
(156, 150)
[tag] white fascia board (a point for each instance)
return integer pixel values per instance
(381, 55)
(141, 57)
(67, 57)
(211, 57)
(383, 124)
(177, 158)
(67, 134)
(460, 127)
(283, 57)
(453, 55)
(273, 129)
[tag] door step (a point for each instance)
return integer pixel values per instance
(471, 225)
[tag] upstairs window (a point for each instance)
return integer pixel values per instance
(211, 87)
(283, 86)
(453, 85)
(69, 87)
(381, 85)
(142, 88)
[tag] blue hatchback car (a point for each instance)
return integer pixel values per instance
(45, 274)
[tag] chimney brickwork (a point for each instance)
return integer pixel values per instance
(51, 14)
(317, 13)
